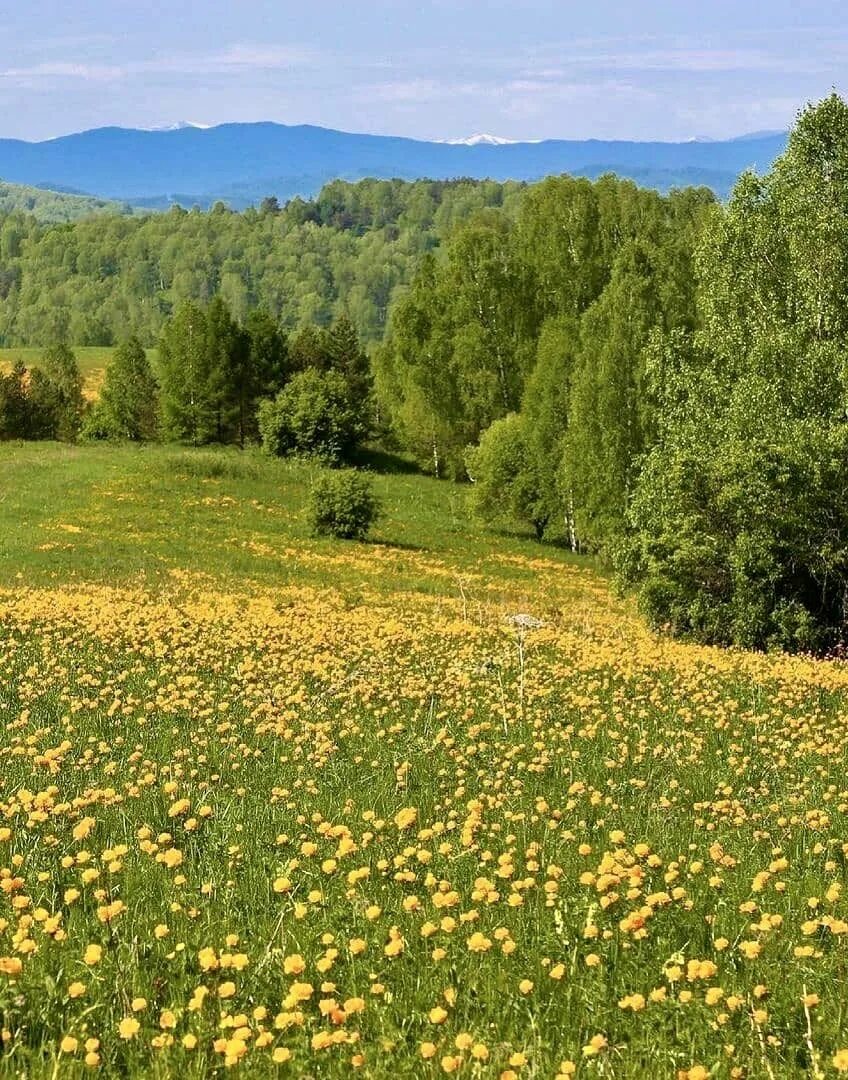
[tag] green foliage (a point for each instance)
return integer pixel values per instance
(314, 414)
(128, 403)
(55, 398)
(345, 354)
(15, 406)
(98, 280)
(53, 206)
(211, 372)
(270, 362)
(739, 528)
(505, 481)
(343, 505)
(545, 411)
(466, 336)
(190, 385)
(606, 429)
(742, 541)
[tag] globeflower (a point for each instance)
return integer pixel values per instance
(128, 1028)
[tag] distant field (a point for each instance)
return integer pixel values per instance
(91, 359)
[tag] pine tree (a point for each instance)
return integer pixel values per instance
(56, 392)
(346, 355)
(129, 396)
(15, 412)
(230, 379)
(188, 391)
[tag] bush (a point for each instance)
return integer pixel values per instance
(312, 415)
(100, 425)
(745, 542)
(504, 478)
(343, 505)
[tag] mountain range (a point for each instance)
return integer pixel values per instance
(242, 163)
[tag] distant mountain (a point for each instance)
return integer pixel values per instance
(754, 135)
(242, 163)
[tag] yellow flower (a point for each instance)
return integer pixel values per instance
(128, 1028)
(294, 964)
(69, 1045)
(594, 1046)
(82, 830)
(406, 817)
(92, 955)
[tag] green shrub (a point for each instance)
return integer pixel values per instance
(745, 541)
(313, 414)
(100, 425)
(343, 505)
(505, 481)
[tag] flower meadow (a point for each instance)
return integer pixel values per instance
(350, 816)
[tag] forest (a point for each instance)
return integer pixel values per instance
(659, 380)
(99, 280)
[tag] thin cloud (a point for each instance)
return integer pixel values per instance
(418, 91)
(234, 60)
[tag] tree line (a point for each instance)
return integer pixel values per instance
(215, 381)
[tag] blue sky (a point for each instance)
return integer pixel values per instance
(532, 69)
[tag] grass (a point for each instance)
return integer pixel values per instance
(281, 806)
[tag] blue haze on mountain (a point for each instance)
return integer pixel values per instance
(242, 163)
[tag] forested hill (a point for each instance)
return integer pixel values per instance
(95, 281)
(243, 163)
(55, 206)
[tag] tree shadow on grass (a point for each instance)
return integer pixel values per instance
(384, 461)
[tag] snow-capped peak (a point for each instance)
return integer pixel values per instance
(179, 126)
(481, 140)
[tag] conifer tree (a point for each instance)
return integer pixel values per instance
(188, 384)
(55, 393)
(128, 404)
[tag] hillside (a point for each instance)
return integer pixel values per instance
(242, 163)
(54, 206)
(277, 801)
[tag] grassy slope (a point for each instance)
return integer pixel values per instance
(615, 837)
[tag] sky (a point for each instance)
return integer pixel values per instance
(527, 69)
